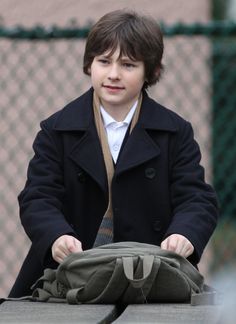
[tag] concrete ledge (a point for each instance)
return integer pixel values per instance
(169, 313)
(36, 312)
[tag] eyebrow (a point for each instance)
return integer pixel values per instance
(122, 58)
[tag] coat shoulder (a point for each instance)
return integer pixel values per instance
(161, 117)
(69, 117)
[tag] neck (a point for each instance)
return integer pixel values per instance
(118, 112)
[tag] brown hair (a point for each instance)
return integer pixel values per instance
(139, 38)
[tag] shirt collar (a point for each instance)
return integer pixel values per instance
(108, 119)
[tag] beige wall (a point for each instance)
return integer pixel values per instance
(60, 12)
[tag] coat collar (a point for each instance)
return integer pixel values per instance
(78, 115)
(156, 117)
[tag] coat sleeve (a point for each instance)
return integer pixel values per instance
(194, 202)
(41, 201)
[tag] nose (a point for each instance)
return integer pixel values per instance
(114, 72)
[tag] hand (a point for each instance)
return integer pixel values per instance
(178, 244)
(65, 245)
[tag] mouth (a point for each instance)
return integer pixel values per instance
(113, 88)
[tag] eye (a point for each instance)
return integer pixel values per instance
(103, 61)
(129, 65)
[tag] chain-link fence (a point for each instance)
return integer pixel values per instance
(41, 70)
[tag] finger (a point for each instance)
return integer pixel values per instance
(78, 245)
(61, 247)
(180, 248)
(164, 245)
(172, 245)
(189, 250)
(169, 244)
(185, 249)
(59, 256)
(59, 260)
(73, 245)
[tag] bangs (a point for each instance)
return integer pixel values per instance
(122, 41)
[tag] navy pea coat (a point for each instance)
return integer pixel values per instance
(158, 187)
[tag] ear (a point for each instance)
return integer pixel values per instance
(89, 71)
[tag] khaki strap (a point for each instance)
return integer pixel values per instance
(105, 232)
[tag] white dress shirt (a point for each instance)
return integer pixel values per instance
(116, 130)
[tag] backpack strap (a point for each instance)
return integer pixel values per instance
(110, 294)
(146, 272)
(128, 264)
(209, 296)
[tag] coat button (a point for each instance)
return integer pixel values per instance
(150, 173)
(81, 177)
(157, 226)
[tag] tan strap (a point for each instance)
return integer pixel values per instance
(105, 232)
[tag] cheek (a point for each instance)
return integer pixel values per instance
(138, 81)
(94, 76)
(139, 78)
(96, 73)
(142, 77)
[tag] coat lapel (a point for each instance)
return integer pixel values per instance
(138, 149)
(140, 146)
(87, 154)
(77, 117)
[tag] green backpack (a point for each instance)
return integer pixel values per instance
(125, 272)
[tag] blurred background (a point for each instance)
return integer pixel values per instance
(41, 52)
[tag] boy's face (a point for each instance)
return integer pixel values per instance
(117, 80)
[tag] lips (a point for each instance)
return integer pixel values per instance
(110, 87)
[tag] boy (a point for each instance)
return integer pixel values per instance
(114, 165)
